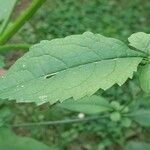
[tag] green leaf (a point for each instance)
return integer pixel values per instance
(144, 78)
(6, 8)
(9, 140)
(142, 117)
(140, 41)
(2, 64)
(133, 145)
(75, 66)
(5, 115)
(90, 105)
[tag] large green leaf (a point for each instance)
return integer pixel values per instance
(133, 145)
(142, 117)
(6, 8)
(75, 66)
(10, 141)
(140, 41)
(144, 78)
(90, 105)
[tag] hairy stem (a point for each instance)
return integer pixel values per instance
(21, 20)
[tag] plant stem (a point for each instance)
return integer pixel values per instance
(21, 20)
(5, 48)
(76, 120)
(59, 122)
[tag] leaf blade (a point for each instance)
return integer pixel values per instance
(142, 117)
(6, 8)
(8, 140)
(2, 63)
(141, 41)
(90, 105)
(144, 78)
(75, 66)
(133, 145)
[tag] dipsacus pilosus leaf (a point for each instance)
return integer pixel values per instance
(74, 66)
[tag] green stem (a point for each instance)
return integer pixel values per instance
(59, 122)
(8, 47)
(21, 20)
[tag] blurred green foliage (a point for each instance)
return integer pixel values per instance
(116, 18)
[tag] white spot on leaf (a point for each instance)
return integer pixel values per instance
(43, 97)
(23, 65)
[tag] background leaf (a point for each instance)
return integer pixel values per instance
(144, 78)
(137, 146)
(90, 105)
(140, 41)
(5, 115)
(2, 64)
(142, 117)
(6, 8)
(9, 140)
(75, 66)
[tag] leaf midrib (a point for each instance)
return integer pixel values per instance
(55, 73)
(61, 70)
